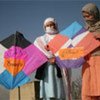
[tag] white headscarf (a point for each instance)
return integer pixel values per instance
(50, 19)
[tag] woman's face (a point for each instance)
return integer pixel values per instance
(87, 16)
(51, 28)
(51, 24)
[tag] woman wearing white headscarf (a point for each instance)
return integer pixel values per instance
(51, 84)
(91, 69)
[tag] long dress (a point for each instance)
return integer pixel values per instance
(51, 86)
(91, 77)
(91, 70)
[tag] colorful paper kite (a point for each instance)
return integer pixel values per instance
(86, 41)
(71, 45)
(18, 59)
(65, 53)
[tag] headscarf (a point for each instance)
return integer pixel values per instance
(94, 24)
(92, 9)
(50, 19)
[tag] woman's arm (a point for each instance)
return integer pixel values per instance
(96, 35)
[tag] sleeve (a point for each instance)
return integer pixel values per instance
(40, 72)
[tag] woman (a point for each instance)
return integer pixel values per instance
(51, 85)
(91, 68)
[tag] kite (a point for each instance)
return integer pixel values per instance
(19, 58)
(72, 45)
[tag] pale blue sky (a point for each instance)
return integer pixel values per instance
(27, 16)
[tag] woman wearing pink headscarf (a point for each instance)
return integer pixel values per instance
(91, 68)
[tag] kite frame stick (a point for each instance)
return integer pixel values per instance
(66, 83)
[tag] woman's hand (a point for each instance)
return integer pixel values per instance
(96, 35)
(52, 60)
(47, 48)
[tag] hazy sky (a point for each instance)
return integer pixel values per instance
(27, 16)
